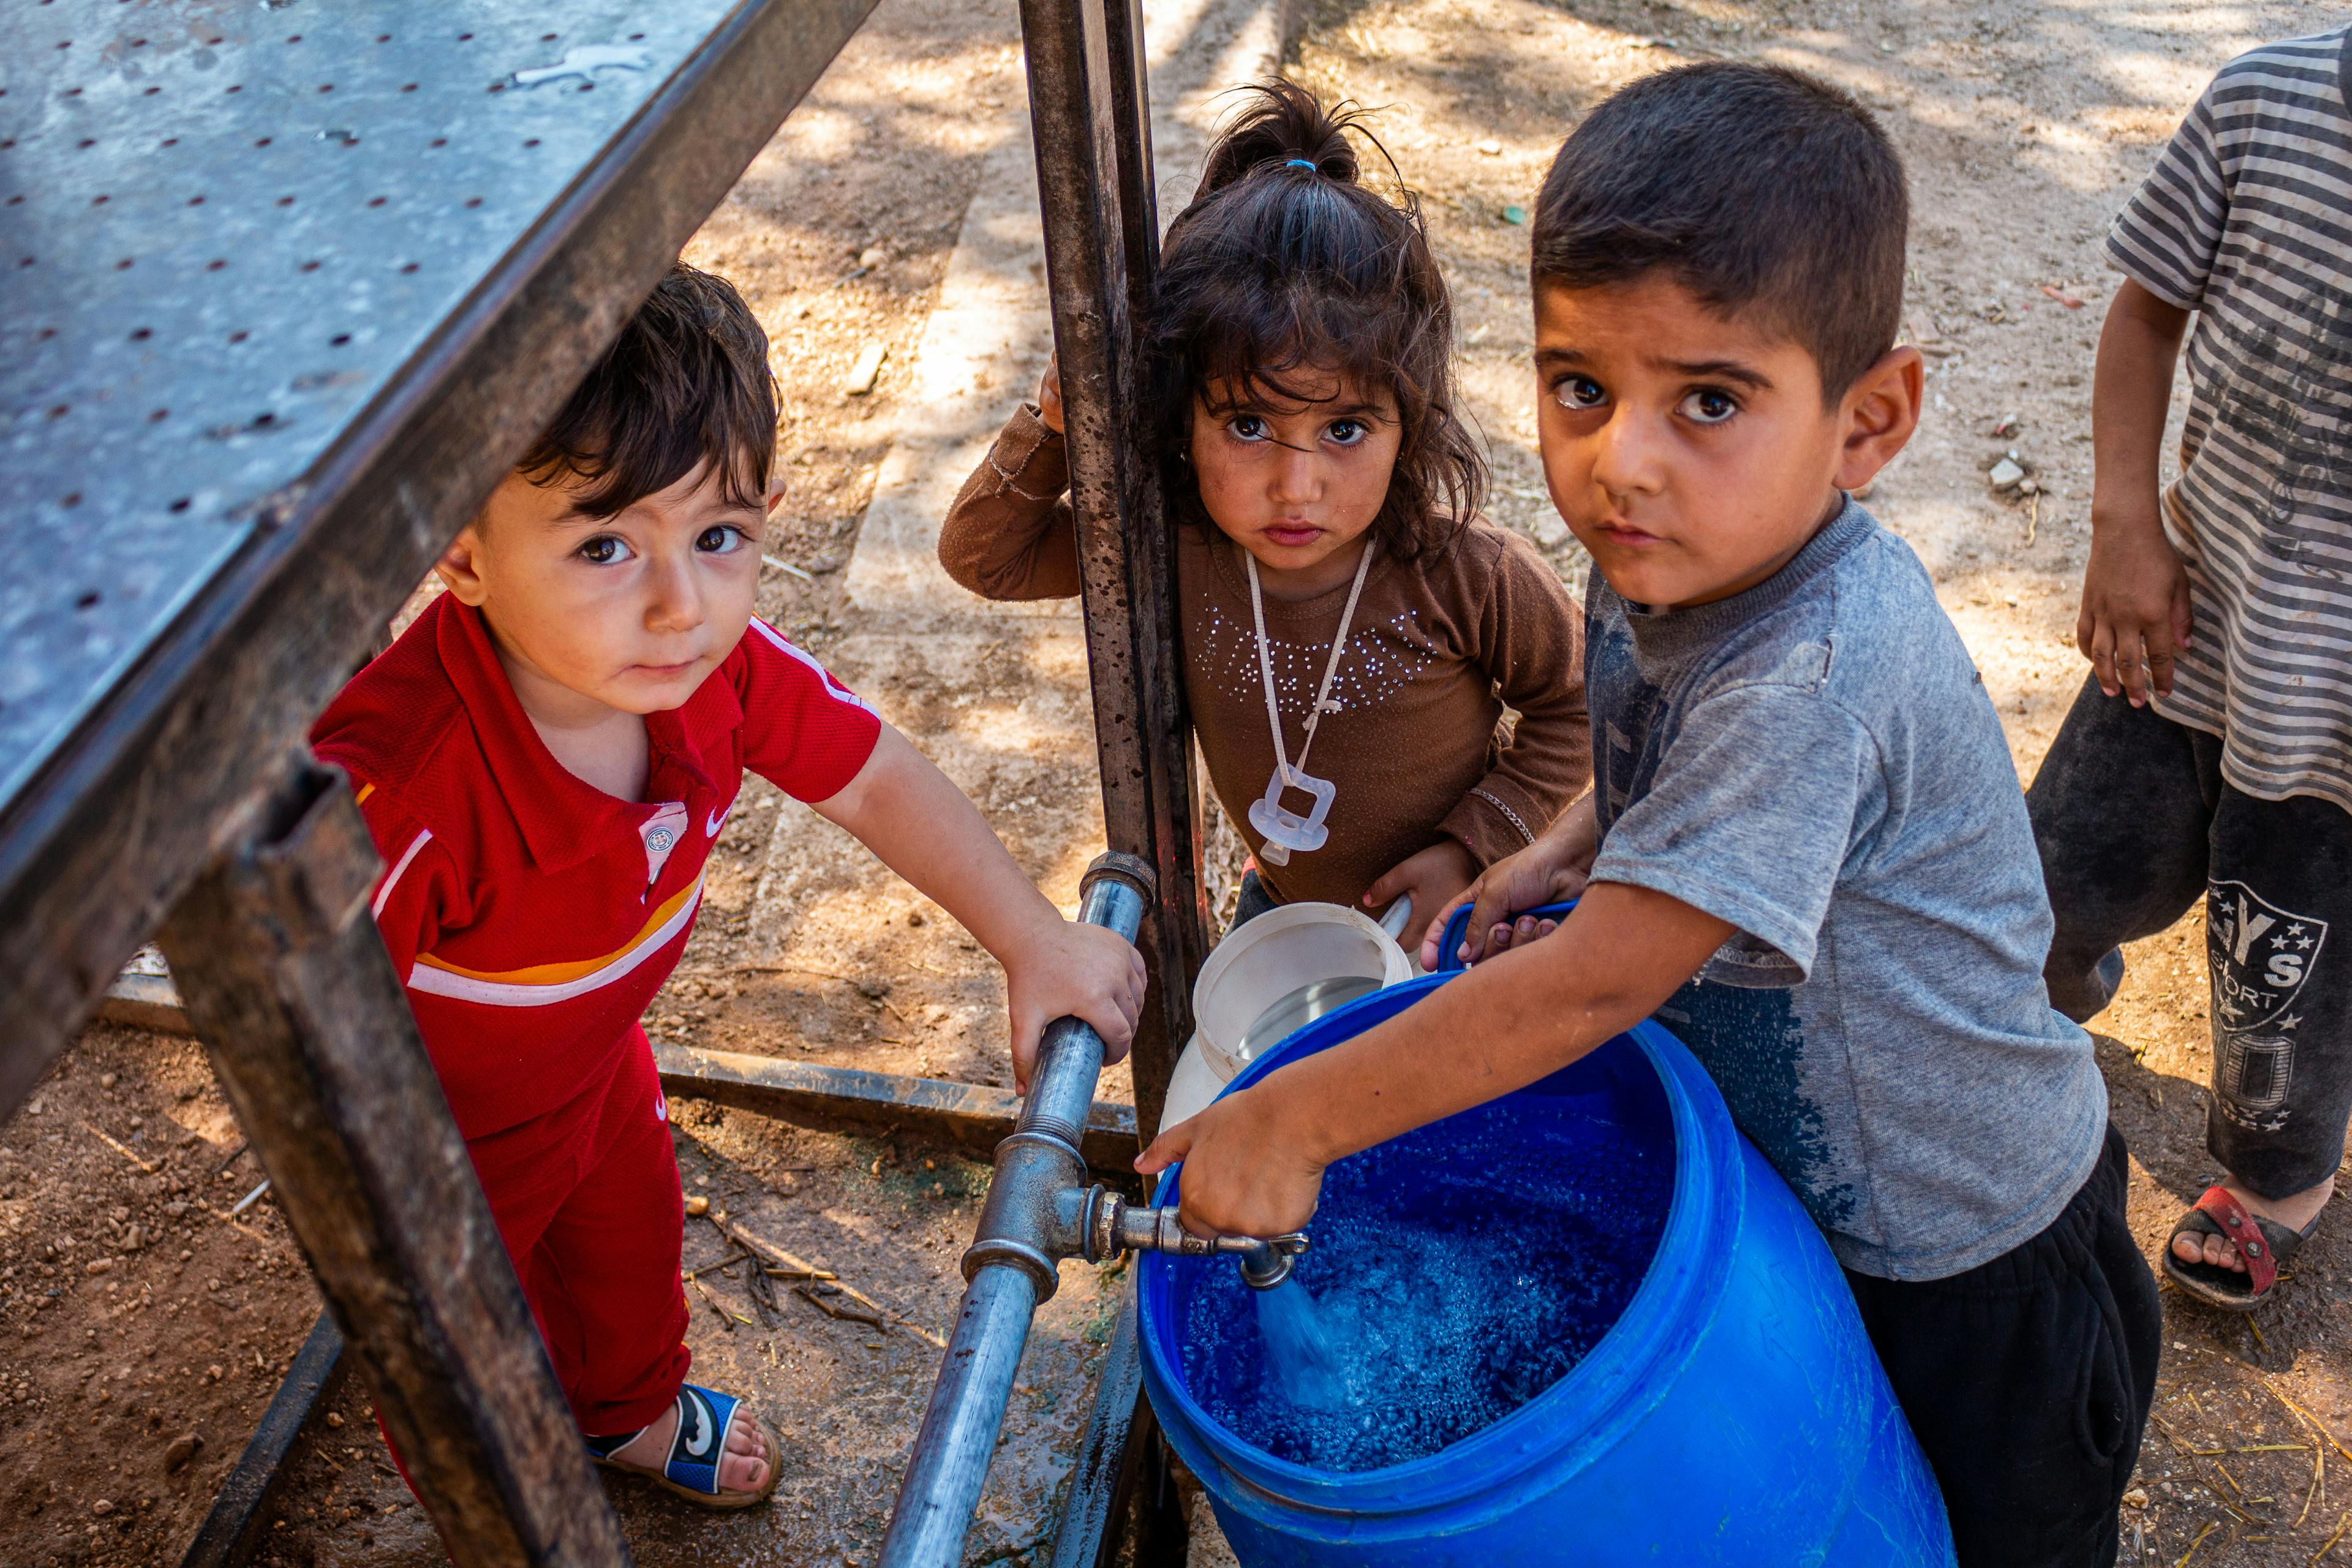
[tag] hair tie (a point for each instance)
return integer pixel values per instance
(1301, 164)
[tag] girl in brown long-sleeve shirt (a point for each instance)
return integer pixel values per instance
(1300, 345)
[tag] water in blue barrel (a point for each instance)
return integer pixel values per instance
(1585, 1323)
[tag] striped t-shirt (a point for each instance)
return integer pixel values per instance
(2247, 220)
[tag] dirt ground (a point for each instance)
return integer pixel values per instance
(137, 1314)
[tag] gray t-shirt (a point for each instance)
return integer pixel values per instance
(1816, 762)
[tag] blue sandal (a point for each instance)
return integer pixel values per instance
(704, 1416)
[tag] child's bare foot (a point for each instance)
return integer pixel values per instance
(2220, 1252)
(745, 1472)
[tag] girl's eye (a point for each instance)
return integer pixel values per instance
(605, 551)
(1248, 426)
(718, 539)
(1347, 432)
(1709, 405)
(1579, 391)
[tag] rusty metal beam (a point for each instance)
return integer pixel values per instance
(969, 1115)
(277, 959)
(240, 1509)
(1090, 114)
(966, 1114)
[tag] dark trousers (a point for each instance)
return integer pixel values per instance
(2134, 822)
(2027, 1380)
(1254, 901)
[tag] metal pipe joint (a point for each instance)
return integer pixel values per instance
(1041, 1208)
(1020, 1224)
(1109, 1225)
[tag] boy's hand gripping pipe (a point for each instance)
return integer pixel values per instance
(1040, 1210)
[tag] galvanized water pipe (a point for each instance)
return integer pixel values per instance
(1040, 1209)
(1010, 1264)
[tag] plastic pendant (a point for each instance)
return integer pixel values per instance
(1286, 832)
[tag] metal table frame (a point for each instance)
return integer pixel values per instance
(178, 801)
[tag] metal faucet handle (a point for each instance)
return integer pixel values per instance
(1268, 1263)
(1110, 1225)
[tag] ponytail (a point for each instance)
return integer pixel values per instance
(1282, 126)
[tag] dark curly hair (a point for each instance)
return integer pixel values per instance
(687, 382)
(1277, 268)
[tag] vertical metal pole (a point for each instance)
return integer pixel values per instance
(1162, 1531)
(278, 962)
(1121, 1489)
(1090, 100)
(1139, 183)
(1091, 115)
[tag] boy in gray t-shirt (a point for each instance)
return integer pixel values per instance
(1814, 761)
(1806, 848)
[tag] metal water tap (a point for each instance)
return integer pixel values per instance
(1109, 1225)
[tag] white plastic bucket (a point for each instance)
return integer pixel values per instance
(1270, 977)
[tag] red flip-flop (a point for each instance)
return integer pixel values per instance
(2265, 1245)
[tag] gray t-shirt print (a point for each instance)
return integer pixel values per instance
(1816, 762)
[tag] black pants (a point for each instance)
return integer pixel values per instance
(2027, 1380)
(2134, 822)
(1254, 901)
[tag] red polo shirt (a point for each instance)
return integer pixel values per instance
(531, 915)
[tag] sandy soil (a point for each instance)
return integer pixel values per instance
(136, 1314)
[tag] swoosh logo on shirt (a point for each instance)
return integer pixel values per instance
(717, 819)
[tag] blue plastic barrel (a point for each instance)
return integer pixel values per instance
(1735, 1413)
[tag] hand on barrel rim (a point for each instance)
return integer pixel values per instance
(1553, 869)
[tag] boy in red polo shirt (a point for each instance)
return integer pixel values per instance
(546, 757)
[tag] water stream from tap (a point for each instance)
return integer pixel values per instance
(1301, 1349)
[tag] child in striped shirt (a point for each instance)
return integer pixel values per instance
(2210, 750)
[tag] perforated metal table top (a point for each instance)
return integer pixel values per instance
(225, 228)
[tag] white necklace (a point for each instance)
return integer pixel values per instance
(1284, 831)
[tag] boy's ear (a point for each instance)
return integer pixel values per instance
(460, 567)
(1882, 410)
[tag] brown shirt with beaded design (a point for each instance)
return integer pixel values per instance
(1417, 749)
